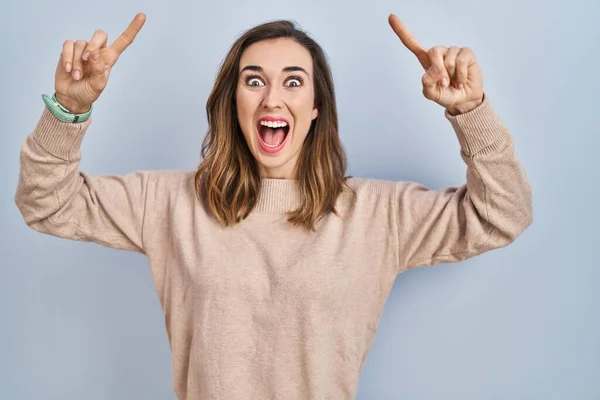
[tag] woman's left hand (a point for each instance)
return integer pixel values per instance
(452, 76)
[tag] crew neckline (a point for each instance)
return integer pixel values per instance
(278, 195)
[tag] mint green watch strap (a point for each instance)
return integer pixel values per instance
(62, 113)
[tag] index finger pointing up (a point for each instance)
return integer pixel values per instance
(128, 36)
(409, 41)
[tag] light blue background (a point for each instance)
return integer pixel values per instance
(79, 321)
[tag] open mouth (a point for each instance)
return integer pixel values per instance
(272, 134)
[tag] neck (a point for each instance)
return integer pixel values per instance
(285, 171)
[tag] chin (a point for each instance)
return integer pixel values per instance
(274, 165)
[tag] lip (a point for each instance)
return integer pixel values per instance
(272, 118)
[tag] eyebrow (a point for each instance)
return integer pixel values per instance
(258, 68)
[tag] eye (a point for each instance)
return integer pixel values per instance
(298, 81)
(254, 81)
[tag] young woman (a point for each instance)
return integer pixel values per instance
(272, 267)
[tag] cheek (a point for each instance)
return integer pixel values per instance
(246, 99)
(241, 103)
(308, 102)
(245, 110)
(304, 110)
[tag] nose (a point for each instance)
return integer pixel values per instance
(272, 98)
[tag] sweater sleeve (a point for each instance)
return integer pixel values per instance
(56, 198)
(489, 211)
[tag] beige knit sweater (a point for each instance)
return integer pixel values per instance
(263, 310)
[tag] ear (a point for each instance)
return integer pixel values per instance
(315, 112)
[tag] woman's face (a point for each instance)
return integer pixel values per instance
(275, 103)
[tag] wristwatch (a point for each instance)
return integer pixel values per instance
(61, 112)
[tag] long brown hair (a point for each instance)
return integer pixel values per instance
(228, 177)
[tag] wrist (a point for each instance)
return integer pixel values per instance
(72, 107)
(465, 107)
(74, 114)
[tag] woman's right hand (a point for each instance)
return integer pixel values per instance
(84, 68)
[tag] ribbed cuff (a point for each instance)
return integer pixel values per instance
(478, 129)
(61, 139)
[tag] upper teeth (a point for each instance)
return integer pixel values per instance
(273, 124)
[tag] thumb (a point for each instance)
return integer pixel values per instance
(430, 80)
(98, 73)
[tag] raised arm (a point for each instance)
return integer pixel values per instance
(489, 211)
(494, 206)
(53, 195)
